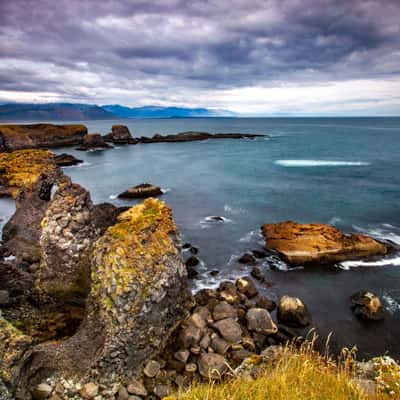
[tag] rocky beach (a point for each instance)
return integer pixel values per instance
(98, 301)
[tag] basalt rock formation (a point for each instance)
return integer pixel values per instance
(15, 137)
(301, 244)
(93, 141)
(120, 135)
(192, 136)
(141, 191)
(138, 295)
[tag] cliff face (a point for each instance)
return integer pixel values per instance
(138, 291)
(15, 137)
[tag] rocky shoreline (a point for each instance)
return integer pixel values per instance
(17, 137)
(95, 300)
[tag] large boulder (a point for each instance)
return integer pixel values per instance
(367, 305)
(120, 135)
(66, 160)
(66, 240)
(317, 243)
(141, 191)
(138, 295)
(93, 141)
(293, 312)
(15, 137)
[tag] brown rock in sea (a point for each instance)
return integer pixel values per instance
(93, 141)
(120, 135)
(293, 312)
(317, 243)
(367, 305)
(141, 191)
(66, 160)
(15, 137)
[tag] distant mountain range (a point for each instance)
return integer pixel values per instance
(77, 112)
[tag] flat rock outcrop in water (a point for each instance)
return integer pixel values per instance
(192, 136)
(66, 160)
(141, 191)
(318, 243)
(15, 137)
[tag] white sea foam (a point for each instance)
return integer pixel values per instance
(80, 165)
(252, 236)
(383, 234)
(233, 210)
(113, 196)
(346, 265)
(320, 163)
(165, 190)
(335, 220)
(392, 304)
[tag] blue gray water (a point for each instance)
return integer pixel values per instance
(343, 171)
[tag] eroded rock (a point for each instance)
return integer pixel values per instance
(367, 305)
(293, 312)
(317, 243)
(141, 191)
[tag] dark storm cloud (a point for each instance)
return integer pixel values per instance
(70, 47)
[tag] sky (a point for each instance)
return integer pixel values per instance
(255, 58)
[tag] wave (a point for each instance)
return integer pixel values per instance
(335, 221)
(320, 163)
(233, 210)
(346, 265)
(392, 304)
(251, 236)
(113, 196)
(84, 164)
(383, 234)
(165, 190)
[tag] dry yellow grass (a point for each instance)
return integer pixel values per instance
(300, 374)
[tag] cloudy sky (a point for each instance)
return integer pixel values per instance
(254, 57)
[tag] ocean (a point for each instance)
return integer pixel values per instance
(341, 171)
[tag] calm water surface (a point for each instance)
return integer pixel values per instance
(343, 171)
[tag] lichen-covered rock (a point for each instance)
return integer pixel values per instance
(212, 365)
(293, 312)
(66, 243)
(23, 168)
(120, 135)
(14, 346)
(138, 296)
(15, 137)
(317, 243)
(367, 305)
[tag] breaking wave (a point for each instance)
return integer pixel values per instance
(320, 163)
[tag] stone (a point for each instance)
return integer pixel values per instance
(259, 320)
(246, 286)
(120, 135)
(162, 391)
(190, 368)
(367, 305)
(205, 341)
(259, 254)
(219, 345)
(293, 312)
(151, 369)
(265, 302)
(223, 310)
(4, 298)
(212, 365)
(189, 336)
(137, 388)
(182, 355)
(142, 191)
(301, 244)
(66, 160)
(122, 393)
(247, 259)
(229, 329)
(42, 391)
(89, 390)
(192, 261)
(93, 141)
(257, 274)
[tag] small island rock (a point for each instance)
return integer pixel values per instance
(141, 191)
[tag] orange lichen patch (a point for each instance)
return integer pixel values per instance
(134, 249)
(310, 243)
(23, 168)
